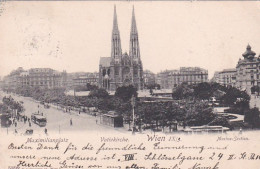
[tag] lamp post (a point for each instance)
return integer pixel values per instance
(141, 125)
(7, 124)
(133, 105)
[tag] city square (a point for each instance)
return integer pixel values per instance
(122, 95)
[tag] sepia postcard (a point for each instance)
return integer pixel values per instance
(129, 84)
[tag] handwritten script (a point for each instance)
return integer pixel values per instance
(146, 151)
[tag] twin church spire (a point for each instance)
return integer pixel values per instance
(116, 51)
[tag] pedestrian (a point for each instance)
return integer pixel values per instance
(71, 122)
(240, 130)
(15, 131)
(15, 124)
(45, 130)
(30, 124)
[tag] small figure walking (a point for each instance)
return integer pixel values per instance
(15, 124)
(71, 122)
(45, 130)
(30, 124)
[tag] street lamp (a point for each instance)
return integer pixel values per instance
(7, 124)
(141, 125)
(133, 105)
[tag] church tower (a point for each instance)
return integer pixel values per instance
(116, 51)
(134, 53)
(116, 56)
(122, 69)
(134, 50)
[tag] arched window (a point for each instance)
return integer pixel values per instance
(104, 72)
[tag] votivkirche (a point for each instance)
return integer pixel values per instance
(122, 69)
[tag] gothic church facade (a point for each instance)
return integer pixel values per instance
(122, 69)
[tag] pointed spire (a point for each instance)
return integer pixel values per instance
(116, 51)
(134, 50)
(115, 25)
(248, 47)
(133, 26)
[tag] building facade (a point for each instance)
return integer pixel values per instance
(88, 78)
(149, 78)
(191, 75)
(40, 77)
(226, 77)
(122, 68)
(248, 70)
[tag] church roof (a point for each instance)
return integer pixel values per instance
(104, 61)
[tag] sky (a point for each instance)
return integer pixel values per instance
(73, 35)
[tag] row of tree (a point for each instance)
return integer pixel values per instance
(190, 107)
(9, 102)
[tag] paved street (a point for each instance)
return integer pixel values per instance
(57, 120)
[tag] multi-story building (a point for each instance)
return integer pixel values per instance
(190, 75)
(226, 77)
(248, 70)
(122, 69)
(88, 78)
(12, 80)
(41, 77)
(149, 78)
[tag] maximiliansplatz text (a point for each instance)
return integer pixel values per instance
(156, 152)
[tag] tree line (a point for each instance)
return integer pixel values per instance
(189, 107)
